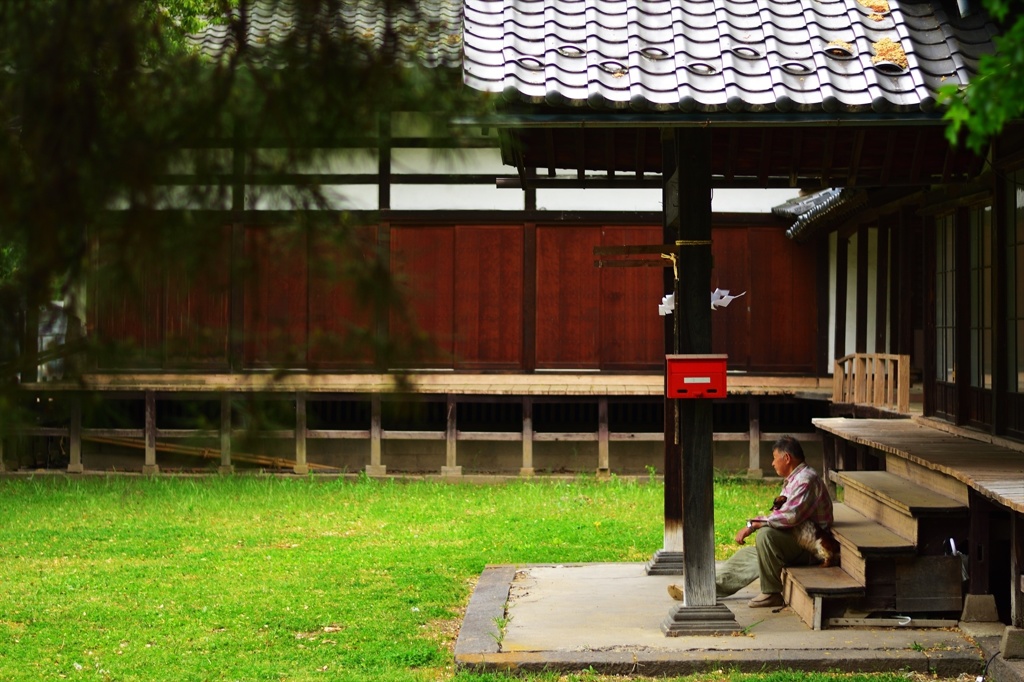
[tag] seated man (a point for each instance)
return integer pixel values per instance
(804, 497)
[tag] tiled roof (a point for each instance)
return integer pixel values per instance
(427, 31)
(819, 207)
(721, 55)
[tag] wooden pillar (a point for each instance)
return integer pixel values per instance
(149, 466)
(375, 468)
(962, 331)
(75, 437)
(882, 290)
(603, 470)
(754, 450)
(225, 435)
(842, 267)
(863, 251)
(450, 436)
(669, 559)
(301, 467)
(527, 468)
(699, 611)
(830, 460)
(978, 547)
(824, 360)
(693, 324)
(1016, 570)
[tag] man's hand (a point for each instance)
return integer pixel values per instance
(748, 530)
(743, 534)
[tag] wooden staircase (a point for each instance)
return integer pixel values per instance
(892, 533)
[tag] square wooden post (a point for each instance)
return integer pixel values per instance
(603, 467)
(225, 435)
(700, 611)
(75, 437)
(450, 436)
(301, 467)
(375, 468)
(669, 559)
(149, 465)
(754, 450)
(527, 468)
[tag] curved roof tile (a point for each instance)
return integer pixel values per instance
(718, 55)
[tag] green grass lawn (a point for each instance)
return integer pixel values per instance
(263, 578)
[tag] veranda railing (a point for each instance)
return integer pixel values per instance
(877, 379)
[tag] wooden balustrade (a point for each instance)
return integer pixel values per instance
(877, 379)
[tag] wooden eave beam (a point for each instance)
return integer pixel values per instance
(976, 165)
(828, 155)
(915, 158)
(948, 162)
(581, 152)
(952, 197)
(886, 172)
(610, 152)
(549, 136)
(883, 202)
(855, 158)
(640, 153)
(796, 161)
(734, 143)
(766, 155)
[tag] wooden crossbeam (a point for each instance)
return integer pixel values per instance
(634, 263)
(634, 249)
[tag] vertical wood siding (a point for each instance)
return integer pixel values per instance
(783, 324)
(488, 297)
(468, 298)
(632, 331)
(339, 324)
(198, 308)
(128, 312)
(276, 295)
(422, 261)
(731, 332)
(568, 298)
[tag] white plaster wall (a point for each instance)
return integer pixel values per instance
(849, 343)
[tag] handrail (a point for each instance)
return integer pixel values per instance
(878, 379)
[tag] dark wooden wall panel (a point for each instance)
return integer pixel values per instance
(782, 303)
(276, 294)
(488, 297)
(422, 260)
(198, 306)
(730, 327)
(632, 331)
(340, 324)
(568, 291)
(128, 312)
(468, 297)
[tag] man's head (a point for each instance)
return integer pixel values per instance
(787, 455)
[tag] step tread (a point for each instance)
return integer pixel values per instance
(816, 580)
(853, 529)
(910, 497)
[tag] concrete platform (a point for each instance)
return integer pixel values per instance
(608, 617)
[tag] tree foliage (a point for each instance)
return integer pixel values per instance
(98, 100)
(995, 96)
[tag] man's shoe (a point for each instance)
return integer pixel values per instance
(764, 601)
(676, 592)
